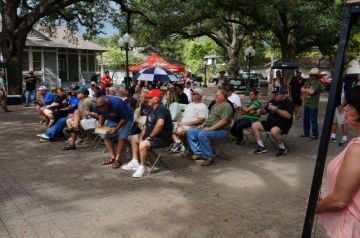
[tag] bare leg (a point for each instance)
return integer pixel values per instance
(345, 129)
(144, 148)
(256, 128)
(135, 146)
(110, 147)
(276, 134)
(120, 148)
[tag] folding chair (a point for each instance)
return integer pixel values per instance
(283, 139)
(155, 157)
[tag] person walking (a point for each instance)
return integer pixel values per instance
(30, 88)
(3, 93)
(296, 84)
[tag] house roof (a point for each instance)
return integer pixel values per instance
(61, 38)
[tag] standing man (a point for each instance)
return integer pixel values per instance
(215, 128)
(3, 93)
(106, 82)
(311, 91)
(116, 114)
(30, 88)
(339, 119)
(155, 133)
(296, 84)
(278, 122)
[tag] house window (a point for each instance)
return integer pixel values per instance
(37, 61)
(25, 61)
(91, 59)
(83, 62)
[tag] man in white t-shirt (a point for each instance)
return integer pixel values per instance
(188, 91)
(233, 97)
(194, 115)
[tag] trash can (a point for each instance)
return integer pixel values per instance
(263, 90)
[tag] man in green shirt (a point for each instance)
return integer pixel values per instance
(311, 92)
(215, 128)
(249, 116)
(3, 93)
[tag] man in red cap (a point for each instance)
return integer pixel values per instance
(156, 133)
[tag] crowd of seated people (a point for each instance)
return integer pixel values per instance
(159, 116)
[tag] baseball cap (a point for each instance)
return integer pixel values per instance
(198, 91)
(278, 90)
(42, 88)
(154, 93)
(83, 91)
(93, 83)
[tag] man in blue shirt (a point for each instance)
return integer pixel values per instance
(49, 98)
(117, 115)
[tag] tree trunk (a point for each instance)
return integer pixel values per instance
(14, 75)
(234, 65)
(12, 51)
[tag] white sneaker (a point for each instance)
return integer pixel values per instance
(132, 165)
(140, 172)
(43, 136)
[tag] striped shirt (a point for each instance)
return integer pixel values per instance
(252, 116)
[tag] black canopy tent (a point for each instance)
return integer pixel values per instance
(351, 14)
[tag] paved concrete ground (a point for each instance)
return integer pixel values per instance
(45, 192)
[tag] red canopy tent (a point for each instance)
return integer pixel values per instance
(155, 60)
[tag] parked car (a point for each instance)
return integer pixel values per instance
(255, 80)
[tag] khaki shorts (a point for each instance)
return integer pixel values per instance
(339, 117)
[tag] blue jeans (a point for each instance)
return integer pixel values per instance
(53, 131)
(310, 117)
(200, 140)
(238, 128)
(28, 95)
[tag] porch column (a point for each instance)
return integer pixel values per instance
(81, 80)
(101, 64)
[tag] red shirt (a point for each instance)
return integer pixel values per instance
(105, 82)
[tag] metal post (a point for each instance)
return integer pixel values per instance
(127, 80)
(205, 84)
(247, 92)
(336, 86)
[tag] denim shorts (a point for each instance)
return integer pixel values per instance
(122, 133)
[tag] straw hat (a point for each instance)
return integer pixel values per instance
(314, 71)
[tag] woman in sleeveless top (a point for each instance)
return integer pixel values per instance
(339, 208)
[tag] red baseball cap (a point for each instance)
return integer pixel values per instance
(154, 93)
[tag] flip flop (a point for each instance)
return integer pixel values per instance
(107, 162)
(116, 164)
(69, 147)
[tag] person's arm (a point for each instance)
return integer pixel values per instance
(158, 127)
(142, 133)
(101, 121)
(283, 113)
(347, 183)
(118, 126)
(197, 122)
(217, 125)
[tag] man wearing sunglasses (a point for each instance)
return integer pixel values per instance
(115, 114)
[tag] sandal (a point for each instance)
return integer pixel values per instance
(69, 147)
(116, 164)
(107, 162)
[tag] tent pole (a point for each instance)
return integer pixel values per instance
(335, 91)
